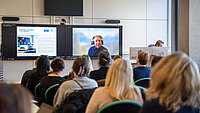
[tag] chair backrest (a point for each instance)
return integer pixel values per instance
(50, 92)
(144, 82)
(36, 91)
(124, 106)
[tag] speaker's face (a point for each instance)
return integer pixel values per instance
(98, 42)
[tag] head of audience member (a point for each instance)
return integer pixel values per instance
(104, 58)
(117, 56)
(87, 57)
(159, 43)
(14, 99)
(142, 58)
(42, 64)
(57, 65)
(80, 67)
(119, 80)
(155, 60)
(150, 60)
(175, 81)
(97, 41)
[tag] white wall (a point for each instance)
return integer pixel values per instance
(194, 30)
(143, 21)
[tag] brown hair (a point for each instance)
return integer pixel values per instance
(159, 42)
(57, 65)
(80, 66)
(104, 58)
(143, 58)
(116, 57)
(14, 99)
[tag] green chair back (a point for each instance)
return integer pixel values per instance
(49, 97)
(36, 87)
(124, 106)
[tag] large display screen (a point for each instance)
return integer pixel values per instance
(36, 41)
(28, 41)
(84, 39)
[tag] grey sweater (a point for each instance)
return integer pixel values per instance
(70, 86)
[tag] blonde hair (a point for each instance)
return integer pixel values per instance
(175, 81)
(119, 80)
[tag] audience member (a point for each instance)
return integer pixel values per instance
(117, 56)
(71, 74)
(141, 70)
(42, 70)
(119, 86)
(159, 43)
(14, 99)
(104, 63)
(175, 86)
(80, 81)
(54, 77)
(27, 74)
(150, 60)
(155, 60)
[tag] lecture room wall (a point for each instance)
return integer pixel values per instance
(143, 21)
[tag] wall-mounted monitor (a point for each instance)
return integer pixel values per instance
(83, 39)
(28, 41)
(63, 7)
(36, 41)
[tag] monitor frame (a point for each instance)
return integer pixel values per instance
(96, 26)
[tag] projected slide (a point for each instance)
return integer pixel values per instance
(36, 41)
(82, 38)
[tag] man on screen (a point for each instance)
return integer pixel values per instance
(97, 48)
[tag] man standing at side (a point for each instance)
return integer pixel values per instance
(97, 41)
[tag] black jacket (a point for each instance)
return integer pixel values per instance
(76, 102)
(99, 74)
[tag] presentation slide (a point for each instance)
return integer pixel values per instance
(36, 41)
(82, 38)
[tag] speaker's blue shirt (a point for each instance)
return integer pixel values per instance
(94, 52)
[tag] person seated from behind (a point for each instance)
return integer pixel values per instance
(80, 81)
(159, 43)
(174, 88)
(71, 74)
(42, 69)
(104, 63)
(141, 70)
(57, 65)
(117, 56)
(119, 86)
(14, 99)
(150, 60)
(155, 60)
(27, 74)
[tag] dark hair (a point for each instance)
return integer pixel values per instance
(80, 66)
(94, 38)
(143, 58)
(43, 64)
(14, 99)
(155, 60)
(104, 58)
(57, 65)
(117, 56)
(159, 42)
